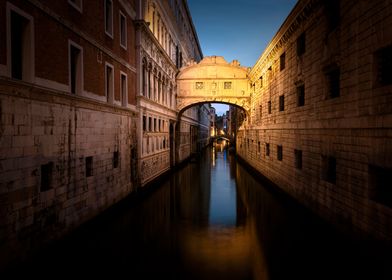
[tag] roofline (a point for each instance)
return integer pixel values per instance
(193, 27)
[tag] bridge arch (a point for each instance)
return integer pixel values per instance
(213, 80)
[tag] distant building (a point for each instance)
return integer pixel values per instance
(167, 41)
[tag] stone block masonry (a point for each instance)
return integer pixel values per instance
(321, 122)
(63, 160)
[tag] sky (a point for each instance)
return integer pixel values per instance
(237, 29)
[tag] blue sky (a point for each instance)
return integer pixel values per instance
(237, 29)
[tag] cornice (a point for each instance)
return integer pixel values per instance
(301, 12)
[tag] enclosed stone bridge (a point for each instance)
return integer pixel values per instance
(213, 80)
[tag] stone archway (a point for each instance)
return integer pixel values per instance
(213, 80)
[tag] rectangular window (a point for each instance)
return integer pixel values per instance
(149, 124)
(115, 159)
(279, 153)
(227, 85)
(123, 31)
(261, 81)
(383, 66)
(75, 69)
(333, 83)
(332, 11)
(258, 147)
(199, 85)
(155, 124)
(77, 4)
(109, 83)
(21, 47)
(46, 177)
(159, 125)
(144, 123)
(267, 149)
(380, 182)
(282, 61)
(109, 17)
(301, 43)
(298, 159)
(281, 103)
(300, 95)
(89, 166)
(269, 107)
(260, 111)
(328, 169)
(123, 89)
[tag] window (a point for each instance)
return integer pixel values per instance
(20, 44)
(199, 85)
(281, 103)
(279, 152)
(149, 124)
(109, 84)
(109, 18)
(383, 66)
(155, 124)
(260, 111)
(298, 159)
(144, 123)
(115, 159)
(333, 83)
(282, 61)
(123, 31)
(89, 166)
(301, 44)
(380, 182)
(227, 85)
(46, 176)
(300, 95)
(258, 147)
(332, 11)
(77, 4)
(269, 107)
(267, 149)
(159, 125)
(75, 68)
(328, 169)
(123, 89)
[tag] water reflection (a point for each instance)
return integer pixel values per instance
(212, 220)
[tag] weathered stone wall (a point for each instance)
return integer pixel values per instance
(47, 185)
(335, 144)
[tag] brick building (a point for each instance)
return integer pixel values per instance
(321, 119)
(68, 115)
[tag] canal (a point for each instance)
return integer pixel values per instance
(211, 219)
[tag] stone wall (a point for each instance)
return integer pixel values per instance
(63, 160)
(323, 109)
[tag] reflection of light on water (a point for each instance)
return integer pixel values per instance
(213, 156)
(216, 250)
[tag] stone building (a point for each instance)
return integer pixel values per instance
(166, 41)
(68, 116)
(320, 123)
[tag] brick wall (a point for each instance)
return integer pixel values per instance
(341, 138)
(46, 188)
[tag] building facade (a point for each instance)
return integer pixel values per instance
(321, 118)
(166, 41)
(68, 116)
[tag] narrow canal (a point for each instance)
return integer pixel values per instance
(211, 220)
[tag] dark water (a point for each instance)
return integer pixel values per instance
(211, 220)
